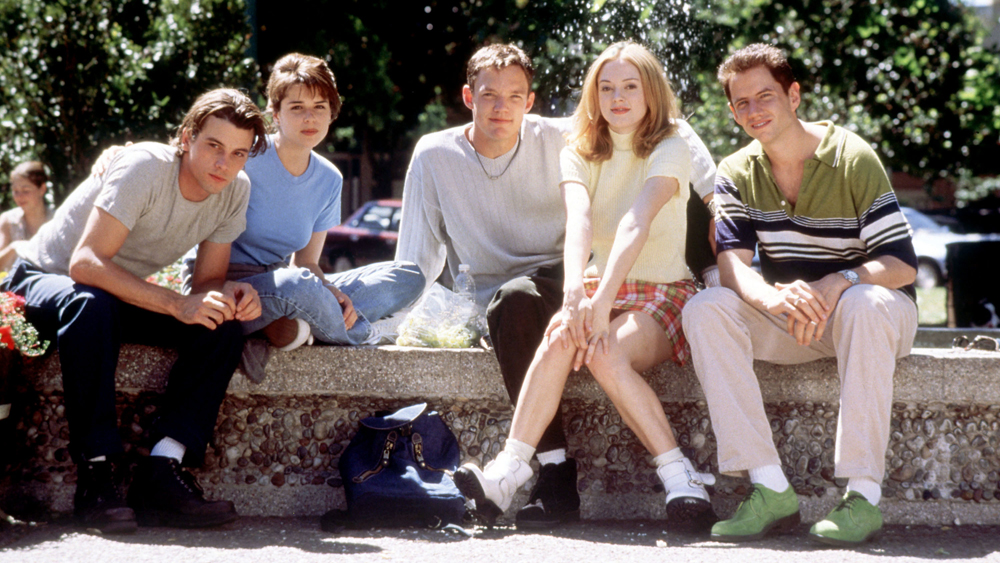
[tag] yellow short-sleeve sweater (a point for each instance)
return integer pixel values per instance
(615, 184)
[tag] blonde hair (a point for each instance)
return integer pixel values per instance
(590, 136)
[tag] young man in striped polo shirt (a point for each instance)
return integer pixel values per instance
(837, 265)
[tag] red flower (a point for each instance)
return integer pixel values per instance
(7, 338)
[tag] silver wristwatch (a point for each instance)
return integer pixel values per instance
(851, 276)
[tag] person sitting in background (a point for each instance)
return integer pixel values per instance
(28, 184)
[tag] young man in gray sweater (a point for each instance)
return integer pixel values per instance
(487, 194)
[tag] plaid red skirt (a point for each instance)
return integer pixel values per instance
(662, 301)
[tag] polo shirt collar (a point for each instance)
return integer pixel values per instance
(828, 152)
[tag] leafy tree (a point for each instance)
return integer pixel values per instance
(78, 75)
(910, 76)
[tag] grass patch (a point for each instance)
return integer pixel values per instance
(933, 306)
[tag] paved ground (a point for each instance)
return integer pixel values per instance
(273, 540)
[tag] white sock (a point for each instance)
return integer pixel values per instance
(871, 490)
(99, 458)
(711, 277)
(771, 476)
(552, 457)
(519, 449)
(668, 457)
(168, 447)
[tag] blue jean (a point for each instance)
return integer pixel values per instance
(376, 291)
(88, 326)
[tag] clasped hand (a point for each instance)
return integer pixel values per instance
(236, 301)
(807, 305)
(583, 323)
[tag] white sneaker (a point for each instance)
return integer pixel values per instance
(380, 333)
(688, 503)
(302, 336)
(493, 488)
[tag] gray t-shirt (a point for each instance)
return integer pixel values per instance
(141, 190)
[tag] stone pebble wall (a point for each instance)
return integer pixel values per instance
(936, 451)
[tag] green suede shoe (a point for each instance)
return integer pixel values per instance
(854, 521)
(760, 512)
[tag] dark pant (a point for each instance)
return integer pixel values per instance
(697, 251)
(517, 316)
(89, 325)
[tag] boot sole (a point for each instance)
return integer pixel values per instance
(844, 543)
(690, 515)
(166, 519)
(486, 510)
(117, 521)
(120, 527)
(779, 526)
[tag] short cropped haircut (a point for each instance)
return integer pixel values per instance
(229, 104)
(753, 56)
(498, 56)
(591, 138)
(32, 171)
(296, 69)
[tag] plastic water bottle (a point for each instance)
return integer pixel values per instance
(465, 286)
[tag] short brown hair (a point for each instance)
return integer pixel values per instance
(229, 104)
(753, 56)
(295, 69)
(590, 137)
(32, 171)
(498, 56)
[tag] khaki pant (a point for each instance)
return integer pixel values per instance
(870, 327)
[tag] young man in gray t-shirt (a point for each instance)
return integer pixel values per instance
(83, 280)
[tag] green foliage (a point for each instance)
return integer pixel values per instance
(565, 36)
(398, 66)
(910, 76)
(78, 75)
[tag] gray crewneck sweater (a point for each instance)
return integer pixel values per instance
(502, 228)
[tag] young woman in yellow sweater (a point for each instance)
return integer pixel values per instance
(625, 180)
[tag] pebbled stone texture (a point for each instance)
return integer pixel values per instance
(277, 445)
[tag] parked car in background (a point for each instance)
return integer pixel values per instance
(369, 235)
(930, 241)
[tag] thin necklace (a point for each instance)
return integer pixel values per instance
(481, 165)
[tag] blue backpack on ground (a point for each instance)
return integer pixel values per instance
(397, 471)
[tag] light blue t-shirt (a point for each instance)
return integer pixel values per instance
(285, 210)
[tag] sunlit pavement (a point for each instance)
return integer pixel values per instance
(275, 540)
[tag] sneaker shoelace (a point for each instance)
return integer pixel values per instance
(186, 479)
(747, 501)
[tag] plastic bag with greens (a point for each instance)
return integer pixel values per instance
(441, 319)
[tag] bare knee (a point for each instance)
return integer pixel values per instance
(607, 367)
